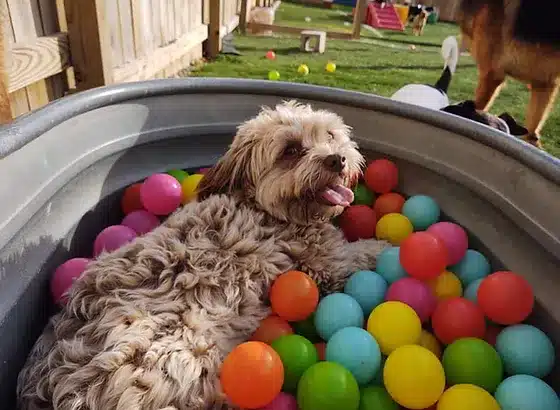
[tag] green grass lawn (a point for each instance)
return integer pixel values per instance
(378, 65)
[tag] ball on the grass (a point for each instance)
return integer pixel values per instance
(525, 349)
(446, 285)
(64, 276)
(161, 194)
(270, 55)
(178, 174)
(357, 222)
(303, 69)
(141, 221)
(414, 377)
(422, 211)
(112, 238)
(454, 237)
(330, 67)
(189, 186)
(363, 195)
(506, 297)
(381, 176)
(389, 203)
(337, 311)
(523, 391)
(376, 398)
(283, 401)
(456, 318)
(368, 288)
(393, 228)
(471, 292)
(273, 75)
(130, 200)
(294, 296)
(271, 328)
(467, 397)
(430, 342)
(415, 294)
(473, 266)
(394, 324)
(297, 355)
(423, 255)
(389, 265)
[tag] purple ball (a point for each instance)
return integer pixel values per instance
(64, 276)
(141, 221)
(455, 239)
(111, 238)
(283, 401)
(415, 294)
(161, 194)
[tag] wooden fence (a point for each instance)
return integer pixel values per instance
(57, 46)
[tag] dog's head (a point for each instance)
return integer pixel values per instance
(296, 163)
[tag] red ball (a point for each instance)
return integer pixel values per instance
(505, 297)
(381, 176)
(423, 255)
(389, 203)
(492, 332)
(456, 318)
(131, 199)
(358, 222)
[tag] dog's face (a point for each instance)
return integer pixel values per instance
(296, 163)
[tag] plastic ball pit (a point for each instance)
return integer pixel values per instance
(481, 179)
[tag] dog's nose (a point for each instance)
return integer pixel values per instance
(335, 162)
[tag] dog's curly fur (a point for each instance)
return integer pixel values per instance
(147, 326)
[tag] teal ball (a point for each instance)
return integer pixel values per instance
(473, 266)
(389, 266)
(368, 288)
(422, 211)
(525, 392)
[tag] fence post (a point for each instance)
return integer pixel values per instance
(359, 14)
(213, 45)
(243, 16)
(90, 44)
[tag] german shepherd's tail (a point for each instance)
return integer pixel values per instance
(450, 54)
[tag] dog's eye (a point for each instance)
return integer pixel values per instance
(292, 151)
(331, 135)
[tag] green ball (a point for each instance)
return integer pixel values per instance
(328, 386)
(363, 195)
(297, 355)
(306, 328)
(376, 398)
(473, 361)
(178, 174)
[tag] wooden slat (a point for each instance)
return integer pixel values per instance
(126, 30)
(63, 26)
(142, 27)
(49, 20)
(6, 114)
(178, 18)
(295, 30)
(243, 14)
(112, 18)
(156, 23)
(213, 46)
(170, 21)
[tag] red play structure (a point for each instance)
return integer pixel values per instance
(383, 15)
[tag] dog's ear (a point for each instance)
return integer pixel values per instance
(515, 128)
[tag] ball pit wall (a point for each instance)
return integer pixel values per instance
(65, 165)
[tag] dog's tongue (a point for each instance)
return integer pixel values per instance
(338, 195)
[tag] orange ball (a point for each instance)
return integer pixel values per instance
(252, 375)
(130, 200)
(294, 296)
(389, 203)
(321, 348)
(381, 176)
(272, 328)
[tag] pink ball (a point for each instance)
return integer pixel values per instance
(161, 194)
(64, 276)
(203, 171)
(415, 294)
(454, 237)
(141, 221)
(111, 238)
(283, 401)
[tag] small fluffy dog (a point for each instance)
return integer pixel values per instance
(419, 23)
(147, 326)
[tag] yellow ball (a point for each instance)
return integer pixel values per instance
(394, 324)
(414, 377)
(430, 342)
(393, 228)
(330, 67)
(303, 69)
(446, 285)
(189, 186)
(467, 397)
(273, 75)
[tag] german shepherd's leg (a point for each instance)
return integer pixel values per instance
(488, 88)
(540, 104)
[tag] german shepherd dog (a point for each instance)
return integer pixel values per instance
(516, 38)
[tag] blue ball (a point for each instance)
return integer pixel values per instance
(422, 211)
(337, 311)
(357, 351)
(389, 266)
(471, 292)
(522, 392)
(524, 349)
(368, 288)
(473, 266)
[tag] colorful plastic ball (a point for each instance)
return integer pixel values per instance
(389, 266)
(328, 386)
(130, 200)
(376, 398)
(446, 285)
(330, 67)
(321, 350)
(306, 328)
(270, 55)
(363, 195)
(112, 238)
(473, 361)
(430, 342)
(394, 324)
(189, 186)
(523, 391)
(415, 294)
(467, 397)
(294, 296)
(454, 237)
(456, 318)
(337, 311)
(472, 267)
(422, 211)
(356, 350)
(178, 174)
(381, 176)
(414, 377)
(203, 171)
(506, 297)
(393, 228)
(423, 255)
(64, 276)
(389, 203)
(273, 75)
(141, 221)
(297, 355)
(252, 375)
(283, 401)
(525, 349)
(368, 288)
(471, 292)
(303, 69)
(161, 194)
(271, 328)
(357, 222)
